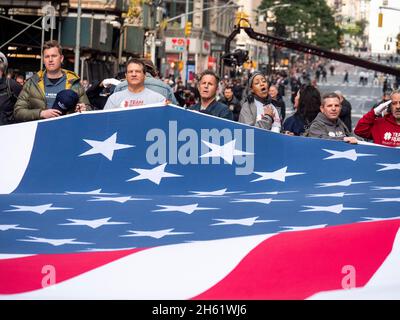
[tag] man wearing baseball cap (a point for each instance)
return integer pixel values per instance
(38, 96)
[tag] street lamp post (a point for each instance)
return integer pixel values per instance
(153, 34)
(186, 16)
(78, 38)
(185, 54)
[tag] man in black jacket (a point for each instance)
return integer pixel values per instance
(345, 113)
(277, 101)
(208, 86)
(232, 102)
(9, 91)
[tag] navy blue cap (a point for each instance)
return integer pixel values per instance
(66, 100)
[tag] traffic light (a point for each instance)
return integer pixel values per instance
(188, 29)
(242, 19)
(380, 19)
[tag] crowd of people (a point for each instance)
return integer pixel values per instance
(255, 100)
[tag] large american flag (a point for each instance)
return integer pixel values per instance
(86, 213)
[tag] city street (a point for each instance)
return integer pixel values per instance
(361, 97)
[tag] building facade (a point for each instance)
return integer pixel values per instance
(204, 44)
(350, 15)
(101, 41)
(114, 30)
(384, 39)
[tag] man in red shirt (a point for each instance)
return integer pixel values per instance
(383, 130)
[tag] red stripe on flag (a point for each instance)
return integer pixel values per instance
(296, 265)
(27, 273)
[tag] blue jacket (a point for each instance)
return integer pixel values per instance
(295, 124)
(216, 109)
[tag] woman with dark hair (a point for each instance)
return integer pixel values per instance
(257, 110)
(307, 104)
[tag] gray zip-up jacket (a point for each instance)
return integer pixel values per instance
(323, 128)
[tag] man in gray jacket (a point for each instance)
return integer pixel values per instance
(152, 83)
(327, 124)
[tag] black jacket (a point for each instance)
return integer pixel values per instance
(345, 114)
(233, 105)
(98, 95)
(9, 91)
(279, 104)
(216, 109)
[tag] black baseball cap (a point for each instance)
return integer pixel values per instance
(66, 101)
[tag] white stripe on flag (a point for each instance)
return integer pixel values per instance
(16, 143)
(179, 271)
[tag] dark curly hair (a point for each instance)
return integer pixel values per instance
(309, 103)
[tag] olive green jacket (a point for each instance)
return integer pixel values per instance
(31, 101)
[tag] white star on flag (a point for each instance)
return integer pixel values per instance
(242, 222)
(386, 200)
(336, 195)
(389, 166)
(295, 228)
(94, 224)
(53, 242)
(209, 194)
(264, 201)
(344, 183)
(226, 152)
(338, 208)
(188, 209)
(386, 188)
(278, 175)
(274, 193)
(370, 219)
(93, 192)
(158, 234)
(106, 147)
(36, 209)
(349, 154)
(116, 199)
(154, 175)
(6, 227)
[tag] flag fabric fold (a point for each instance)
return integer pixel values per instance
(164, 203)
